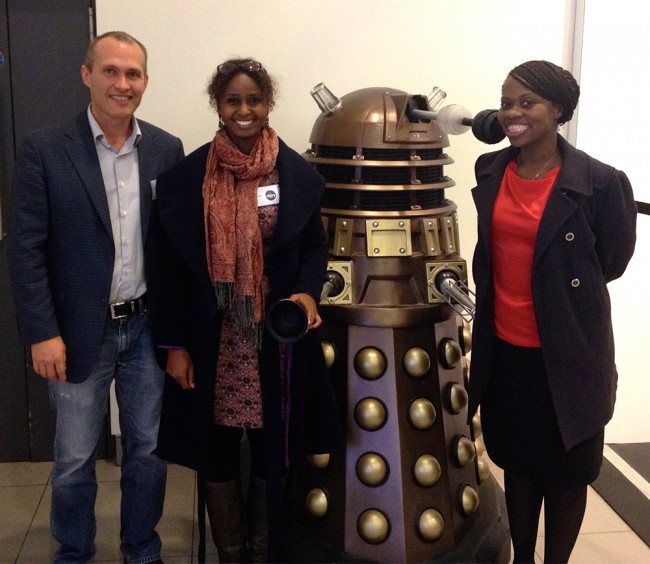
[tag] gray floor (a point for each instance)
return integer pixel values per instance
(25, 507)
(25, 504)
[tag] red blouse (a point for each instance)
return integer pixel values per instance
(517, 213)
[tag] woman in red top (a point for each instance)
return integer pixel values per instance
(554, 227)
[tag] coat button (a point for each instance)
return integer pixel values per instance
(575, 282)
(569, 236)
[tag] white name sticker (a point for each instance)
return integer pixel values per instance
(268, 195)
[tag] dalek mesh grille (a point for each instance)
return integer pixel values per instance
(382, 201)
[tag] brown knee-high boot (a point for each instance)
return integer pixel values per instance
(225, 505)
(257, 520)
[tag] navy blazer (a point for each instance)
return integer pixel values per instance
(61, 249)
(586, 238)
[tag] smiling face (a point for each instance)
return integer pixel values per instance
(117, 80)
(526, 118)
(243, 110)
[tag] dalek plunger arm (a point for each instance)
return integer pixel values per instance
(455, 119)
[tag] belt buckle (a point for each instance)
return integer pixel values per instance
(112, 309)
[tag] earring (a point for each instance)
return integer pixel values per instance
(220, 123)
(266, 122)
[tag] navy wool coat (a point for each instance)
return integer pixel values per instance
(61, 249)
(586, 238)
(188, 317)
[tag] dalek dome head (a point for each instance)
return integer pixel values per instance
(373, 118)
(380, 150)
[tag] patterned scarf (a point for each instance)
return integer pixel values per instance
(232, 233)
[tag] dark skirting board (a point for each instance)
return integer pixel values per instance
(621, 494)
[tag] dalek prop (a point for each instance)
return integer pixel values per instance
(413, 484)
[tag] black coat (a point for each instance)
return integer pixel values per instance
(188, 317)
(586, 238)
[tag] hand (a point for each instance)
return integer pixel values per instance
(180, 368)
(309, 305)
(48, 359)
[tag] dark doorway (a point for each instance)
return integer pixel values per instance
(42, 43)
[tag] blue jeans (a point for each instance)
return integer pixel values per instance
(127, 356)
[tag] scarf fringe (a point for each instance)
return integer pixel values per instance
(225, 293)
(243, 309)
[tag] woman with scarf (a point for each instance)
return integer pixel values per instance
(240, 229)
(554, 227)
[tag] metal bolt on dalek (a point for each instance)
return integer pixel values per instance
(413, 484)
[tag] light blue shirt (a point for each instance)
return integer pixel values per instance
(120, 172)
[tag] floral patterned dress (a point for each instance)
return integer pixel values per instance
(238, 392)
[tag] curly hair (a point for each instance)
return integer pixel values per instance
(227, 70)
(552, 83)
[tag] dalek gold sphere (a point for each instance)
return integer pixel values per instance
(465, 336)
(476, 425)
(417, 362)
(370, 363)
(483, 469)
(319, 461)
(456, 398)
(373, 526)
(469, 501)
(431, 525)
(465, 452)
(422, 413)
(479, 446)
(329, 352)
(450, 353)
(427, 470)
(372, 469)
(370, 414)
(317, 503)
(465, 364)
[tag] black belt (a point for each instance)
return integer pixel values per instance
(120, 310)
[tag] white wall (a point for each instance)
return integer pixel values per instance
(466, 47)
(613, 126)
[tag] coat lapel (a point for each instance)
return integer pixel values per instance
(80, 148)
(563, 200)
(485, 194)
(484, 200)
(180, 198)
(146, 155)
(558, 208)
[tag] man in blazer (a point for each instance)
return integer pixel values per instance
(82, 201)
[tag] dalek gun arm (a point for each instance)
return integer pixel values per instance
(334, 284)
(457, 294)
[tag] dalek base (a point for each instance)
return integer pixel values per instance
(488, 540)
